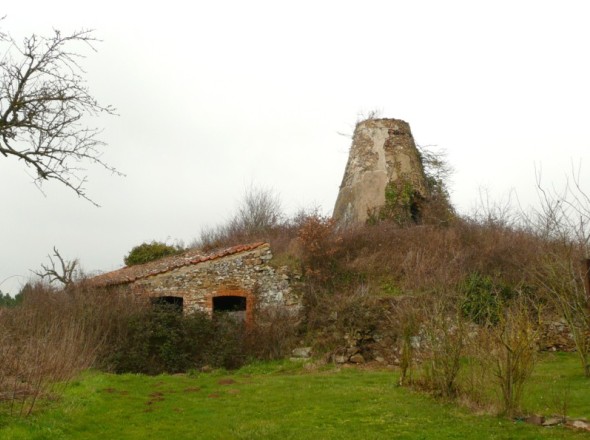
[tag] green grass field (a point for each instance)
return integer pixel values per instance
(558, 381)
(284, 401)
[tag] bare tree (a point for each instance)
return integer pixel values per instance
(259, 210)
(64, 271)
(257, 214)
(43, 102)
(563, 220)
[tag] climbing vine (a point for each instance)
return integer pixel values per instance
(402, 204)
(406, 205)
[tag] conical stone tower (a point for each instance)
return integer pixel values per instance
(383, 160)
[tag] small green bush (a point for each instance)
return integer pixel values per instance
(163, 340)
(153, 343)
(147, 252)
(483, 299)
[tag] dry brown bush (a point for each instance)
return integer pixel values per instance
(477, 379)
(53, 336)
(562, 269)
(443, 333)
(428, 258)
(259, 217)
(560, 273)
(514, 353)
(321, 250)
(483, 366)
(399, 332)
(273, 335)
(336, 322)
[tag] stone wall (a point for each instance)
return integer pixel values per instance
(245, 274)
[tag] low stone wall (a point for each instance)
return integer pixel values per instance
(384, 343)
(556, 336)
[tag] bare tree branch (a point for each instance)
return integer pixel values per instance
(563, 220)
(43, 103)
(65, 272)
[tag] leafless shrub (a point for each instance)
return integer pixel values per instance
(478, 379)
(368, 115)
(320, 245)
(496, 213)
(562, 269)
(564, 214)
(437, 209)
(428, 258)
(51, 337)
(404, 319)
(443, 332)
(259, 211)
(273, 334)
(338, 321)
(362, 116)
(258, 216)
(515, 351)
(561, 274)
(443, 353)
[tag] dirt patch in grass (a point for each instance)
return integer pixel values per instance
(115, 391)
(155, 397)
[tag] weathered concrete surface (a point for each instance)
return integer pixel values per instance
(383, 151)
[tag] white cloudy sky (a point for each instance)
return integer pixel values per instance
(216, 95)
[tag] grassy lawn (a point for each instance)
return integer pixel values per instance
(275, 401)
(558, 381)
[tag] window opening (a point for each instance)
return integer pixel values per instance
(234, 306)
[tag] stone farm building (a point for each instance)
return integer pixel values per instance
(236, 279)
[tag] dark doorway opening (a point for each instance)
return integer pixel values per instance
(234, 306)
(416, 208)
(173, 302)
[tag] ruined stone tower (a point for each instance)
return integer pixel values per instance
(383, 157)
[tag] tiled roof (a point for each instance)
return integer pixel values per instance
(130, 274)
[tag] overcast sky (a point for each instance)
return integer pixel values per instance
(216, 95)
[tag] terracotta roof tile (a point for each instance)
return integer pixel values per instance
(130, 274)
